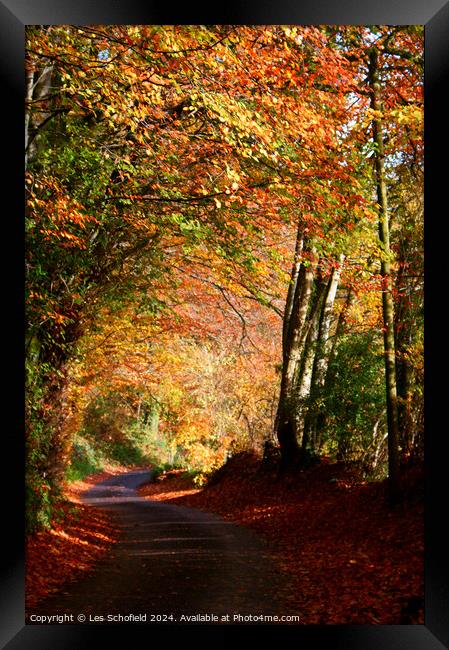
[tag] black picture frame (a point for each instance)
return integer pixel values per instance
(434, 14)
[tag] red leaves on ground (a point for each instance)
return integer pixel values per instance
(63, 553)
(57, 556)
(352, 560)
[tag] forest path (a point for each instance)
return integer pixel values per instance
(171, 560)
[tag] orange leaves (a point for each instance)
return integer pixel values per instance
(57, 317)
(63, 219)
(67, 239)
(213, 142)
(67, 550)
(351, 559)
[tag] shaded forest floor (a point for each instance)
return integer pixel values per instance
(352, 559)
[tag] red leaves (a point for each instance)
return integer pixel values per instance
(352, 560)
(59, 555)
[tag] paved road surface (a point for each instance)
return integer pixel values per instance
(171, 561)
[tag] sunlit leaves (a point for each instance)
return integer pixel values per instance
(169, 169)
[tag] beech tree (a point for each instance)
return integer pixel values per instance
(398, 47)
(387, 295)
(314, 422)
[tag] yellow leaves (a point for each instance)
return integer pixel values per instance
(290, 31)
(117, 350)
(35, 202)
(35, 295)
(409, 115)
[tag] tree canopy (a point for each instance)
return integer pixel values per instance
(222, 224)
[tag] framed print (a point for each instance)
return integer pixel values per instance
(224, 323)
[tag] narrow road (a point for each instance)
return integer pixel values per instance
(172, 562)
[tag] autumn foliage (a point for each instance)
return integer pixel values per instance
(224, 254)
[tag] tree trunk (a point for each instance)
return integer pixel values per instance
(152, 422)
(29, 83)
(304, 380)
(322, 353)
(387, 295)
(37, 95)
(330, 373)
(286, 429)
(404, 386)
(291, 291)
(403, 339)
